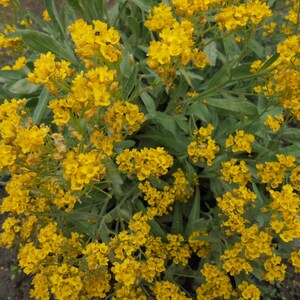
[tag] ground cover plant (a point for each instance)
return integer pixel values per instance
(150, 150)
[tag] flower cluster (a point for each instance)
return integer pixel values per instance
(273, 173)
(203, 147)
(240, 141)
(232, 17)
(114, 195)
(176, 47)
(274, 122)
(236, 172)
(49, 72)
(97, 42)
(146, 163)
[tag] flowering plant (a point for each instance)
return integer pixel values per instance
(153, 151)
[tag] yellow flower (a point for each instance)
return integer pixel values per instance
(275, 270)
(217, 284)
(148, 162)
(160, 17)
(236, 172)
(4, 3)
(168, 290)
(274, 122)
(203, 146)
(248, 291)
(240, 142)
(46, 16)
(49, 72)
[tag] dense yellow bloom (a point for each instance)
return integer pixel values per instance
(178, 250)
(217, 284)
(10, 227)
(236, 172)
(49, 72)
(83, 168)
(10, 118)
(275, 269)
(7, 156)
(201, 248)
(285, 80)
(203, 147)
(168, 290)
(123, 118)
(274, 122)
(92, 88)
(289, 48)
(175, 47)
(18, 190)
(256, 242)
(295, 178)
(30, 258)
(65, 281)
(181, 187)
(236, 200)
(148, 162)
(96, 285)
(255, 66)
(240, 142)
(190, 7)
(7, 42)
(31, 139)
(127, 272)
(236, 265)
(248, 291)
(4, 3)
(287, 203)
(273, 172)
(232, 17)
(160, 202)
(95, 41)
(160, 17)
(96, 255)
(293, 15)
(295, 260)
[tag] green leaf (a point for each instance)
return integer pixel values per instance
(169, 273)
(4, 94)
(55, 19)
(231, 47)
(177, 225)
(291, 134)
(149, 103)
(10, 75)
(194, 214)
(159, 137)
(134, 27)
(75, 6)
(199, 110)
(23, 87)
(269, 62)
(41, 106)
(144, 5)
(291, 150)
(236, 106)
(166, 121)
(211, 51)
(187, 78)
(257, 48)
(43, 43)
(130, 81)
